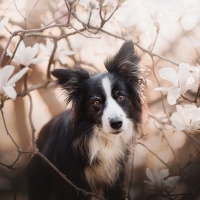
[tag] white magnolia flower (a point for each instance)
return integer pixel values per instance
(26, 55)
(3, 22)
(181, 82)
(195, 73)
(158, 181)
(61, 51)
(162, 12)
(187, 118)
(6, 84)
(89, 4)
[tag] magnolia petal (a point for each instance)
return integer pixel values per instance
(149, 27)
(192, 113)
(17, 76)
(35, 49)
(37, 60)
(62, 44)
(173, 95)
(62, 59)
(164, 173)
(173, 178)
(3, 22)
(21, 47)
(149, 174)
(177, 121)
(168, 185)
(191, 86)
(26, 56)
(156, 177)
(162, 89)
(172, 181)
(183, 76)
(173, 15)
(194, 126)
(5, 74)
(182, 114)
(67, 52)
(49, 45)
(148, 182)
(169, 74)
(9, 53)
(179, 126)
(10, 91)
(44, 48)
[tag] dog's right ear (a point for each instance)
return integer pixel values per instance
(71, 81)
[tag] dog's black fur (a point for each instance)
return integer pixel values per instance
(68, 140)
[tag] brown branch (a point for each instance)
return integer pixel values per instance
(192, 138)
(143, 49)
(51, 59)
(175, 156)
(158, 83)
(157, 157)
(84, 192)
(30, 113)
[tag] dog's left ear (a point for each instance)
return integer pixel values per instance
(125, 62)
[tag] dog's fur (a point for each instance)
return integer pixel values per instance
(91, 142)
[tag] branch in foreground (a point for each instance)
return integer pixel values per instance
(84, 192)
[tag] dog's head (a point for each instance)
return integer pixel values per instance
(110, 100)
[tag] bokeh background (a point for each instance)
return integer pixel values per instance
(166, 28)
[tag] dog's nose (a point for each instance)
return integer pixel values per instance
(116, 123)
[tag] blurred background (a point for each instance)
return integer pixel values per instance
(168, 29)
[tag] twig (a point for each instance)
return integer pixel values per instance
(51, 59)
(30, 113)
(158, 158)
(25, 17)
(158, 83)
(192, 138)
(175, 156)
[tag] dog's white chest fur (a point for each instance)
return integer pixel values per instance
(109, 150)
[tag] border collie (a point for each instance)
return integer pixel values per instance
(91, 142)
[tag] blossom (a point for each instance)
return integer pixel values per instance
(181, 82)
(186, 118)
(89, 5)
(25, 55)
(61, 51)
(3, 22)
(6, 84)
(158, 181)
(195, 73)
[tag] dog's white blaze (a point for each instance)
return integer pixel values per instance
(105, 146)
(112, 109)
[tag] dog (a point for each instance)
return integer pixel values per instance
(91, 142)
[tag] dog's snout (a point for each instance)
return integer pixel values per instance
(116, 123)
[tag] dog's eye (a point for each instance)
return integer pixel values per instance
(120, 97)
(96, 103)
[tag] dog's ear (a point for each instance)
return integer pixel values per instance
(71, 81)
(125, 62)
